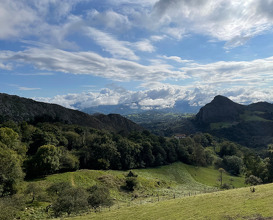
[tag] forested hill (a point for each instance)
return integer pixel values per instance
(250, 125)
(16, 108)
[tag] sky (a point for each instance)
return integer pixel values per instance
(142, 53)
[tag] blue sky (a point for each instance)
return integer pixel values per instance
(144, 53)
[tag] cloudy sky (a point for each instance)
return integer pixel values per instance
(147, 53)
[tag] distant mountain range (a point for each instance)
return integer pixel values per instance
(180, 106)
(250, 125)
(21, 109)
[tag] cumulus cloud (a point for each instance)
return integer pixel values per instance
(165, 96)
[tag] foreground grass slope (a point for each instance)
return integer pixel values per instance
(232, 204)
(155, 184)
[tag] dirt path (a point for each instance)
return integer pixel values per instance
(72, 180)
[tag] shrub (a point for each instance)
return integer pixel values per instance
(71, 200)
(253, 180)
(131, 183)
(99, 196)
(57, 188)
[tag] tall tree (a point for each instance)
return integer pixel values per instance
(11, 174)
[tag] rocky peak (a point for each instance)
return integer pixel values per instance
(219, 109)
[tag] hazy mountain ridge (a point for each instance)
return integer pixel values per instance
(22, 109)
(180, 106)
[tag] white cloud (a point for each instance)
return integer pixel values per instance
(118, 49)
(23, 88)
(233, 73)
(35, 74)
(109, 20)
(89, 63)
(144, 3)
(176, 59)
(164, 96)
(256, 72)
(231, 21)
(22, 18)
(144, 45)
(157, 38)
(27, 88)
(16, 19)
(5, 67)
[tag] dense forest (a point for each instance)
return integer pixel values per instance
(33, 150)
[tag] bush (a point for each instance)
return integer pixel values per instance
(71, 200)
(253, 180)
(225, 186)
(57, 188)
(99, 196)
(10, 207)
(131, 174)
(131, 183)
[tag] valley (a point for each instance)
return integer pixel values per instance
(62, 163)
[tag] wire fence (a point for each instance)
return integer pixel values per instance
(154, 198)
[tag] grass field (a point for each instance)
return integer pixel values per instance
(231, 204)
(209, 177)
(163, 183)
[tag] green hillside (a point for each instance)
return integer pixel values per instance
(232, 204)
(176, 178)
(163, 183)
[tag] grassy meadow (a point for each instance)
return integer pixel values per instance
(230, 204)
(157, 186)
(175, 180)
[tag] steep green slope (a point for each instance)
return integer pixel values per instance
(232, 204)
